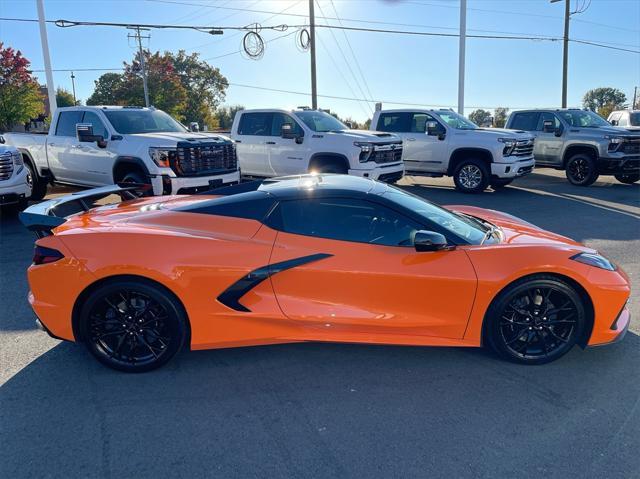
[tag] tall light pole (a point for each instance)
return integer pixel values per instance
(312, 38)
(461, 55)
(565, 50)
(51, 91)
(73, 86)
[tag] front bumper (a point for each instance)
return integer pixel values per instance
(513, 169)
(629, 164)
(617, 331)
(15, 189)
(175, 185)
(382, 172)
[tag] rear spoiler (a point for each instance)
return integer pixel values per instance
(43, 217)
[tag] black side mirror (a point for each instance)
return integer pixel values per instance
(434, 129)
(286, 131)
(429, 241)
(614, 122)
(349, 125)
(194, 127)
(84, 132)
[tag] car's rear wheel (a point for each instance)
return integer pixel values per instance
(628, 178)
(133, 326)
(581, 170)
(471, 176)
(536, 320)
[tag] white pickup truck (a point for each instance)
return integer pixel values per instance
(279, 142)
(94, 146)
(441, 142)
(14, 181)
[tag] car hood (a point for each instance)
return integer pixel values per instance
(608, 130)
(364, 135)
(501, 133)
(180, 136)
(516, 230)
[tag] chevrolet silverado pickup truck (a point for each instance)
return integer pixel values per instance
(14, 182)
(279, 142)
(441, 142)
(100, 145)
(582, 143)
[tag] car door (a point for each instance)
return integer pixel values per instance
(548, 145)
(287, 156)
(254, 131)
(60, 146)
(423, 152)
(91, 164)
(356, 275)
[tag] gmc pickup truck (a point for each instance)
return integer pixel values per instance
(441, 142)
(582, 143)
(279, 142)
(94, 146)
(14, 183)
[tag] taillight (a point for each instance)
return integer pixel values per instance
(42, 255)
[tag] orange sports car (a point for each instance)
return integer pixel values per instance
(311, 258)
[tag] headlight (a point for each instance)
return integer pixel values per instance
(594, 260)
(162, 156)
(365, 150)
(18, 163)
(614, 142)
(509, 145)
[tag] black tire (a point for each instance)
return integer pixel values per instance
(581, 170)
(329, 166)
(38, 184)
(535, 320)
(132, 325)
(471, 176)
(139, 178)
(498, 184)
(627, 178)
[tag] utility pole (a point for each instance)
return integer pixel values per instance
(461, 55)
(565, 50)
(73, 86)
(312, 37)
(51, 91)
(635, 93)
(139, 38)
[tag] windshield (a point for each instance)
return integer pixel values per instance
(585, 119)
(320, 121)
(634, 119)
(456, 121)
(129, 122)
(463, 226)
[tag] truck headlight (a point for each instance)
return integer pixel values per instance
(614, 142)
(18, 163)
(365, 150)
(594, 259)
(509, 146)
(162, 156)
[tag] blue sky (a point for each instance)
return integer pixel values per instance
(397, 68)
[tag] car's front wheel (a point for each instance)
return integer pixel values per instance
(581, 170)
(132, 326)
(536, 320)
(471, 176)
(628, 178)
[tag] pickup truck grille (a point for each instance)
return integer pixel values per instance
(631, 147)
(523, 148)
(203, 159)
(388, 153)
(6, 166)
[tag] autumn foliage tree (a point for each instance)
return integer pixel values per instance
(20, 98)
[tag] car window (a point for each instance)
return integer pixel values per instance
(98, 126)
(280, 119)
(456, 121)
(345, 219)
(419, 122)
(131, 121)
(527, 121)
(394, 122)
(67, 121)
(622, 119)
(546, 116)
(258, 124)
(586, 119)
(634, 119)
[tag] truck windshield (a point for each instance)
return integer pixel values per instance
(456, 121)
(585, 119)
(320, 121)
(130, 122)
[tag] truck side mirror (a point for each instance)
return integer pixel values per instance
(194, 127)
(614, 122)
(434, 129)
(84, 133)
(349, 125)
(429, 241)
(548, 126)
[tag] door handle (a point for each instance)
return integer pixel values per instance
(411, 139)
(270, 142)
(238, 141)
(51, 144)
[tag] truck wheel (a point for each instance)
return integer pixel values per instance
(471, 176)
(627, 179)
(498, 184)
(38, 185)
(140, 179)
(581, 170)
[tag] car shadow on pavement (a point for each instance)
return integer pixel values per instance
(325, 410)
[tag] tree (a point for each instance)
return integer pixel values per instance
(500, 117)
(367, 124)
(64, 97)
(480, 117)
(108, 90)
(604, 100)
(224, 116)
(20, 98)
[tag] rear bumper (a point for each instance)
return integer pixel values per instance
(513, 169)
(172, 185)
(388, 173)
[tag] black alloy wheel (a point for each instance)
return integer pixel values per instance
(581, 170)
(133, 326)
(536, 321)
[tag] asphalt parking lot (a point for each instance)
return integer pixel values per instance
(327, 410)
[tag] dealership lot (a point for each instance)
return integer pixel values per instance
(327, 410)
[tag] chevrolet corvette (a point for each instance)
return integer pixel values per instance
(311, 258)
